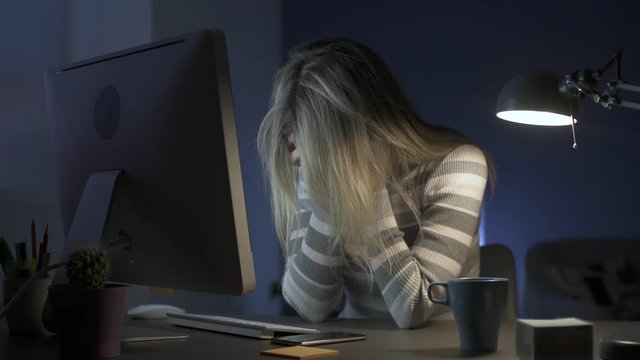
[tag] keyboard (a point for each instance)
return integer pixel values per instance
(235, 326)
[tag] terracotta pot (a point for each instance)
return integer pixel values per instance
(89, 322)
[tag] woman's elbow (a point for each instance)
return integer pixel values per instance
(315, 317)
(407, 323)
(312, 314)
(312, 310)
(413, 316)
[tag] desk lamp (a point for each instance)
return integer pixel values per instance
(544, 98)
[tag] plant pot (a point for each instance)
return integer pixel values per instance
(89, 322)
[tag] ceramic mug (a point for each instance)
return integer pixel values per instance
(477, 304)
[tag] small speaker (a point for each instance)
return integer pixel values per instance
(620, 346)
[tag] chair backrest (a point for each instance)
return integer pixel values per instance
(496, 260)
(590, 278)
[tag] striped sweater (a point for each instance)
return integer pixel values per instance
(442, 246)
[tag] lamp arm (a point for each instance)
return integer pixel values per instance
(609, 97)
(617, 59)
(630, 104)
(582, 83)
(570, 86)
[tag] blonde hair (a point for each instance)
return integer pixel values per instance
(351, 123)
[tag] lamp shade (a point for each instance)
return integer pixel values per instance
(533, 98)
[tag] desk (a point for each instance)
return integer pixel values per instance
(438, 340)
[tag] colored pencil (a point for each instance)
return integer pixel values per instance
(34, 253)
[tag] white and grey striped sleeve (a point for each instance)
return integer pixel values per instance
(450, 213)
(312, 284)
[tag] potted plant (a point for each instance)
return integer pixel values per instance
(88, 311)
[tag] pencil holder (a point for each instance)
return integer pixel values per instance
(25, 317)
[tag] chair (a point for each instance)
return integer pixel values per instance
(496, 260)
(592, 279)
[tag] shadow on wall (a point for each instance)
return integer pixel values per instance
(593, 279)
(19, 208)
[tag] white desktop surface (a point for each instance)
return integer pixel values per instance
(437, 340)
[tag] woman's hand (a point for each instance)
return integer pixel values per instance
(294, 154)
(376, 181)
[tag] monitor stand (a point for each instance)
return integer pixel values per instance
(89, 223)
(92, 215)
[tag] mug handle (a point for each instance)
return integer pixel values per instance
(445, 301)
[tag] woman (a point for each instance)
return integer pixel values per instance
(367, 199)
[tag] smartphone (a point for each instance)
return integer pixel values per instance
(318, 338)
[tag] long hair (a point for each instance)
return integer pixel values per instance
(351, 124)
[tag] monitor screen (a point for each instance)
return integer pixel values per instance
(160, 117)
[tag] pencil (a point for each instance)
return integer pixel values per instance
(45, 238)
(43, 249)
(41, 253)
(34, 253)
(45, 263)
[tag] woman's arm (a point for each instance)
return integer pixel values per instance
(450, 214)
(312, 284)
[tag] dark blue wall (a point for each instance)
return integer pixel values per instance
(453, 57)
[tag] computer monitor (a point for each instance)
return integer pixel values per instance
(145, 145)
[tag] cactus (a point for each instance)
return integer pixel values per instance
(87, 268)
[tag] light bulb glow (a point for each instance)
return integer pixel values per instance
(531, 117)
